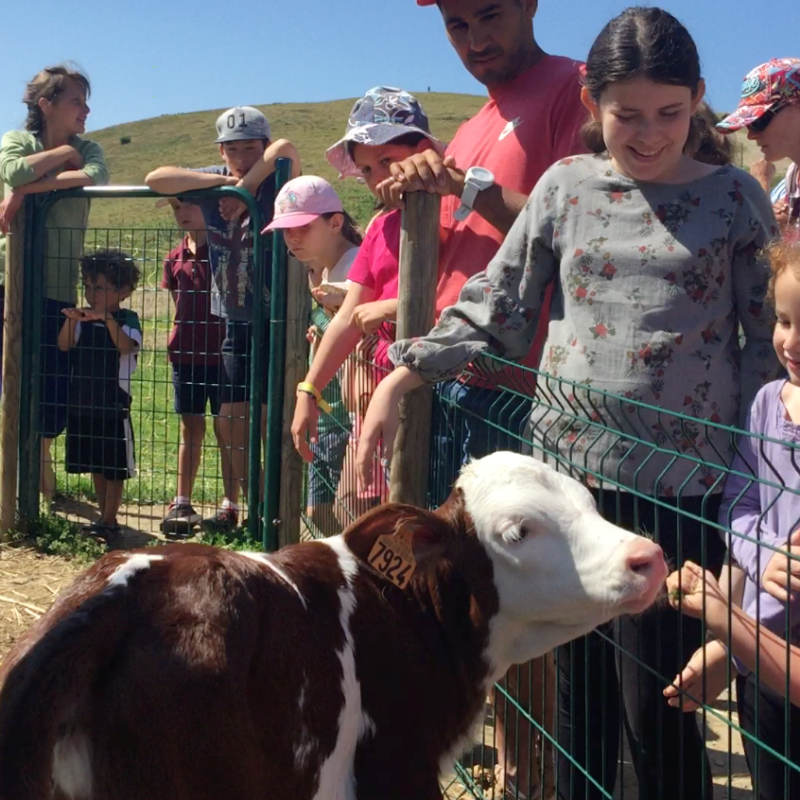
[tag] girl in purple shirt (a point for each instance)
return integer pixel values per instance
(761, 508)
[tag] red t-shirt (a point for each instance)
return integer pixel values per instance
(527, 125)
(377, 266)
(197, 335)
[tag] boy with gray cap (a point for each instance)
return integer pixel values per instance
(249, 157)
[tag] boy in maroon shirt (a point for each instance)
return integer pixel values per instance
(194, 352)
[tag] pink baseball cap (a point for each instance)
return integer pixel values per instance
(303, 200)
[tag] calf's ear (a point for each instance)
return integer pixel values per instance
(415, 533)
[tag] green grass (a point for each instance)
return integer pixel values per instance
(188, 140)
(60, 537)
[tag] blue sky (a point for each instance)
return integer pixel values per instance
(153, 57)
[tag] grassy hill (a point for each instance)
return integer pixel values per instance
(188, 140)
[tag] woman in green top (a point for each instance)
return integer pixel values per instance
(47, 156)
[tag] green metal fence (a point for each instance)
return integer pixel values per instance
(609, 718)
(156, 425)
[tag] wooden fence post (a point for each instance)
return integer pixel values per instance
(416, 309)
(298, 309)
(12, 374)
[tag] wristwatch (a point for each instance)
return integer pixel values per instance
(477, 179)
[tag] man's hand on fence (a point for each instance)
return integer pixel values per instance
(707, 667)
(422, 172)
(782, 575)
(8, 209)
(304, 425)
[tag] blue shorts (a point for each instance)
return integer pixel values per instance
(236, 352)
(196, 385)
(325, 471)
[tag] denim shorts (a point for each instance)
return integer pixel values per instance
(326, 470)
(237, 349)
(196, 386)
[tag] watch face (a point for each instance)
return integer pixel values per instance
(481, 176)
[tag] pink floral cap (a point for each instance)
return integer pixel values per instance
(303, 200)
(767, 87)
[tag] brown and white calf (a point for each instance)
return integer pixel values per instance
(191, 673)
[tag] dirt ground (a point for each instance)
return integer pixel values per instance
(30, 582)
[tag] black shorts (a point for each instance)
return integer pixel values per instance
(101, 444)
(236, 352)
(195, 386)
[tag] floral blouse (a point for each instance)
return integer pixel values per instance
(652, 284)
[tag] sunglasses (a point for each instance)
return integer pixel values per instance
(763, 122)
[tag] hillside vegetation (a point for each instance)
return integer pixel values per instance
(188, 140)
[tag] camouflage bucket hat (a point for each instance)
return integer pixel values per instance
(380, 116)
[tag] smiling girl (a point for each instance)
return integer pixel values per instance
(49, 155)
(652, 256)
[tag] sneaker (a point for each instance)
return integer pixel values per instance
(224, 521)
(101, 530)
(180, 521)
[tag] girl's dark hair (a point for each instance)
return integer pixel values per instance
(706, 143)
(116, 266)
(350, 229)
(49, 84)
(640, 42)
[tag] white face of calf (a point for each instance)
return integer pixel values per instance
(560, 569)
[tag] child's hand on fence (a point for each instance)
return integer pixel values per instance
(84, 314)
(230, 208)
(422, 172)
(312, 333)
(368, 317)
(709, 666)
(304, 425)
(781, 211)
(782, 575)
(8, 210)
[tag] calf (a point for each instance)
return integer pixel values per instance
(353, 667)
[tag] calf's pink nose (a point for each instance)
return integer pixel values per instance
(645, 558)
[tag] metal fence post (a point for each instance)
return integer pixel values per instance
(277, 377)
(419, 258)
(12, 372)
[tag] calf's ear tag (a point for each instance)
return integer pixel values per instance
(393, 557)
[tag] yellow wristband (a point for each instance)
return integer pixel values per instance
(309, 388)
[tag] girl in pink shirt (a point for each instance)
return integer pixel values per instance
(385, 126)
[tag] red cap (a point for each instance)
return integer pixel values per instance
(426, 2)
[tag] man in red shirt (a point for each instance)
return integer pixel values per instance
(532, 119)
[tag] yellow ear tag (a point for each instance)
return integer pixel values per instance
(393, 557)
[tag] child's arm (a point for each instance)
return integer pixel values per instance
(123, 340)
(66, 336)
(174, 180)
(754, 645)
(264, 167)
(340, 339)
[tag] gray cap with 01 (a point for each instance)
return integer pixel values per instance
(240, 123)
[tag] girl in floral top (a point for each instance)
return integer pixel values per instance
(653, 259)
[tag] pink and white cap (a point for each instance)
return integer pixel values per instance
(303, 200)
